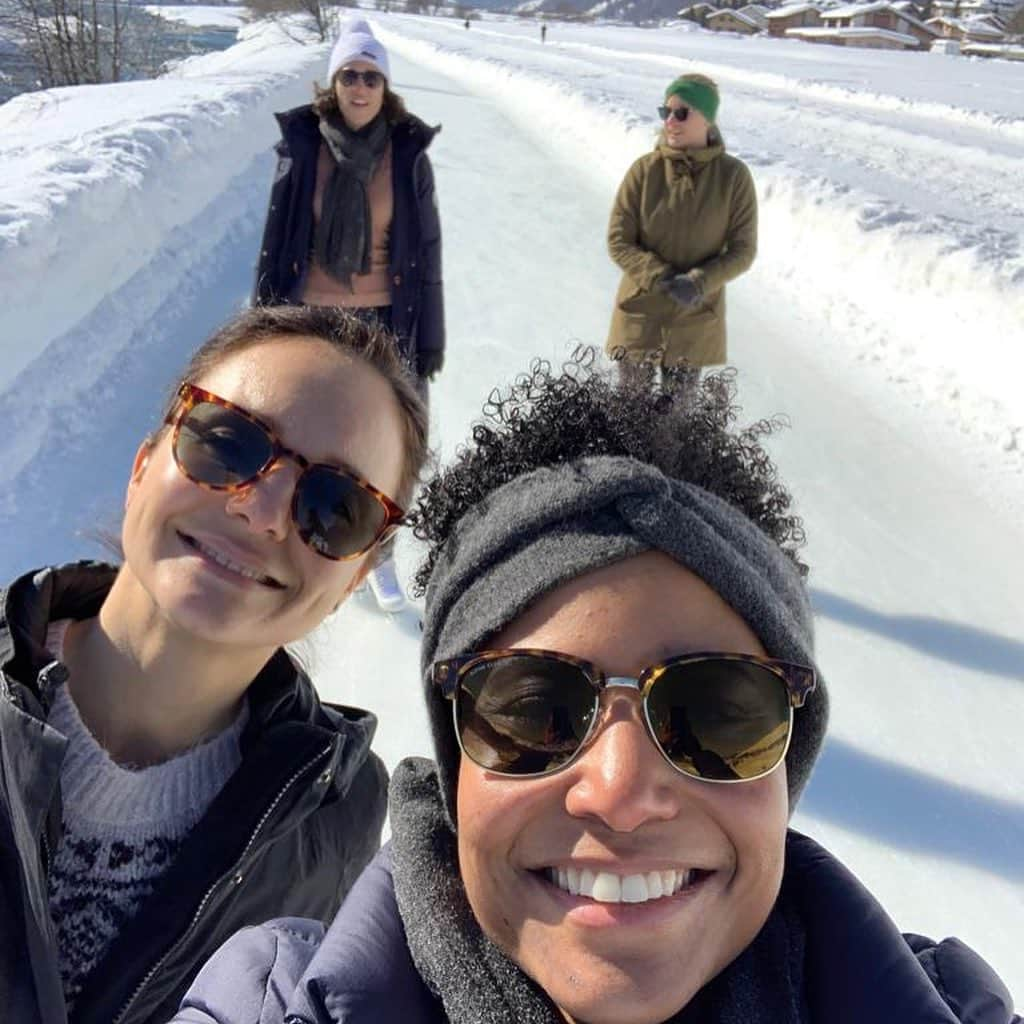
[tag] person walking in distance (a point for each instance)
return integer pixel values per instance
(683, 224)
(353, 218)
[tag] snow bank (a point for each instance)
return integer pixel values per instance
(201, 15)
(94, 178)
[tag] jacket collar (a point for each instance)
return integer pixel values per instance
(858, 966)
(300, 123)
(280, 692)
(31, 602)
(692, 158)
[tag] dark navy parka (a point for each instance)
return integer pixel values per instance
(858, 969)
(289, 832)
(417, 298)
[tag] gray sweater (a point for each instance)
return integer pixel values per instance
(122, 828)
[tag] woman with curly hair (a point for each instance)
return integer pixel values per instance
(619, 672)
(353, 218)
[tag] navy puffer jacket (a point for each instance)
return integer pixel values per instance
(859, 968)
(417, 296)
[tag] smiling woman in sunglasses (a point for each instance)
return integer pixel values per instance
(169, 774)
(684, 223)
(620, 678)
(353, 217)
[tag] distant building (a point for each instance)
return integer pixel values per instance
(972, 29)
(732, 21)
(696, 12)
(757, 12)
(919, 11)
(1005, 51)
(877, 26)
(791, 16)
(1001, 9)
(724, 5)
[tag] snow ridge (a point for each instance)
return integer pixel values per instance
(80, 214)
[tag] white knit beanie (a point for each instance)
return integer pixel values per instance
(357, 42)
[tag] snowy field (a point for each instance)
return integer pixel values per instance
(202, 15)
(884, 317)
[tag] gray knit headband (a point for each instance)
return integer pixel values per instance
(554, 524)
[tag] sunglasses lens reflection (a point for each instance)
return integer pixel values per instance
(720, 718)
(336, 516)
(524, 715)
(217, 447)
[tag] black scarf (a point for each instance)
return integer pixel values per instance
(343, 235)
(476, 982)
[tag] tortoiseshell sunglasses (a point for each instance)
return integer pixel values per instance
(716, 717)
(220, 446)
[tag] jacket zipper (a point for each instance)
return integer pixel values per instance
(209, 892)
(46, 686)
(46, 854)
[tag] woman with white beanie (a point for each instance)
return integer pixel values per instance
(353, 217)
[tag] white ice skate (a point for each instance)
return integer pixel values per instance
(385, 587)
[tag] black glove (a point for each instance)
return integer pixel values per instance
(429, 363)
(682, 289)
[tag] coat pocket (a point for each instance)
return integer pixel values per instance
(636, 333)
(697, 338)
(647, 303)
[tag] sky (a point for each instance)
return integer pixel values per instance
(883, 319)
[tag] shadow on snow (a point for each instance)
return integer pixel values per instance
(910, 810)
(954, 642)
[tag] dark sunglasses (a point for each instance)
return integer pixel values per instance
(371, 79)
(679, 113)
(717, 717)
(222, 447)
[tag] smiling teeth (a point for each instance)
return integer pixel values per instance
(220, 559)
(605, 887)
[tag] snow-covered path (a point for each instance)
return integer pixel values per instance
(916, 560)
(884, 189)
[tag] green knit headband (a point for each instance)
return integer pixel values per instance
(698, 95)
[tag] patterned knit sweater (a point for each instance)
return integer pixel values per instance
(121, 829)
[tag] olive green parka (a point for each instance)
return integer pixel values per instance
(679, 211)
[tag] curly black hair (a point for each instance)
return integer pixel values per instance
(547, 417)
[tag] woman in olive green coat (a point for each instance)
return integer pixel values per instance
(683, 224)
